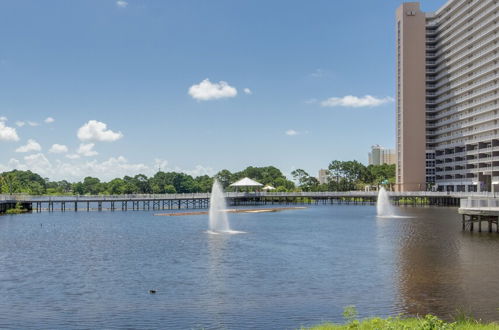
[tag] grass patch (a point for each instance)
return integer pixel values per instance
(429, 322)
(462, 321)
(17, 210)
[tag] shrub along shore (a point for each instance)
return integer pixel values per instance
(428, 322)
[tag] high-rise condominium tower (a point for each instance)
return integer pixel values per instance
(447, 108)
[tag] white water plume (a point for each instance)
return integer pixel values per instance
(384, 207)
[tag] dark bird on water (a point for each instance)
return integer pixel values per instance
(152, 291)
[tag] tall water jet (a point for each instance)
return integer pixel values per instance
(383, 207)
(219, 221)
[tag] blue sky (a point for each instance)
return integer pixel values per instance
(123, 84)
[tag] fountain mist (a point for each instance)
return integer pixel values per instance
(383, 207)
(219, 221)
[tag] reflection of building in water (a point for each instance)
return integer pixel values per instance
(442, 270)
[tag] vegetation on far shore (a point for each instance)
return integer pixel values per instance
(461, 321)
(17, 210)
(343, 176)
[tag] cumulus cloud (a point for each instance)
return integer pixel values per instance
(7, 133)
(73, 156)
(49, 120)
(108, 169)
(97, 131)
(58, 149)
(206, 90)
(20, 123)
(61, 170)
(3, 118)
(33, 123)
(247, 91)
(121, 4)
(32, 145)
(350, 101)
(87, 150)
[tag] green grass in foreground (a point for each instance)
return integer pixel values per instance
(428, 322)
(462, 321)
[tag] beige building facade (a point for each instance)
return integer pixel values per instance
(447, 112)
(381, 156)
(323, 176)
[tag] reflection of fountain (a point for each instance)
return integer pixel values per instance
(383, 207)
(219, 221)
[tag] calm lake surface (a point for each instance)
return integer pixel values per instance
(291, 269)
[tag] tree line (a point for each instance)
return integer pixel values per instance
(342, 176)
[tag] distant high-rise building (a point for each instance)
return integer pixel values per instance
(447, 99)
(323, 176)
(380, 156)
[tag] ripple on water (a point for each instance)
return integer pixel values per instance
(94, 270)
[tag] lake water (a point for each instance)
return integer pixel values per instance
(292, 268)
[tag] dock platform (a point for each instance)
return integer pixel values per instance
(478, 211)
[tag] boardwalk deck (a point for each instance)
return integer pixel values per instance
(476, 211)
(201, 200)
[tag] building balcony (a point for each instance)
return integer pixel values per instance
(444, 42)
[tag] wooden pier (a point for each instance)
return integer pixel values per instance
(202, 200)
(478, 211)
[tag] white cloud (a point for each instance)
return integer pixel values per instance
(106, 170)
(356, 102)
(291, 132)
(206, 90)
(7, 133)
(318, 73)
(97, 131)
(32, 145)
(33, 123)
(121, 4)
(73, 156)
(49, 120)
(3, 119)
(20, 123)
(61, 170)
(247, 91)
(86, 149)
(58, 149)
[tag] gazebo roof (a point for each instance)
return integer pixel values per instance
(246, 182)
(268, 187)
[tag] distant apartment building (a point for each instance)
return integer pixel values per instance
(447, 112)
(323, 176)
(380, 156)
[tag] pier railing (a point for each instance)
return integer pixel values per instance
(328, 194)
(477, 203)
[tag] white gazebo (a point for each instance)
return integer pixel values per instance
(246, 182)
(268, 188)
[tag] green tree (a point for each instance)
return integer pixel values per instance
(225, 177)
(142, 183)
(116, 186)
(92, 186)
